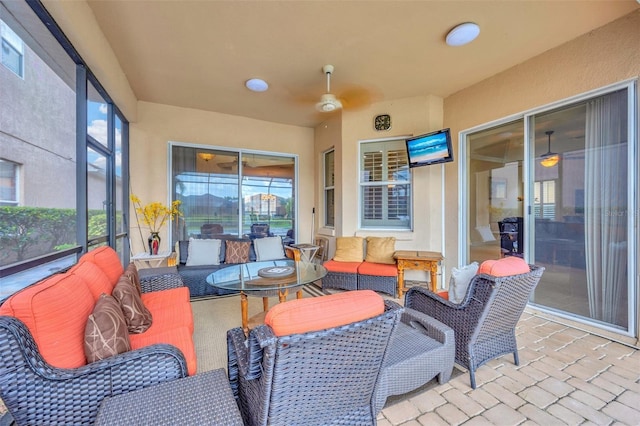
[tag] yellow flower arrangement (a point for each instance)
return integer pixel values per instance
(155, 214)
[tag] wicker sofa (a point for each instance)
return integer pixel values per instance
(352, 269)
(195, 277)
(44, 374)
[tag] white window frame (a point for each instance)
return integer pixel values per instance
(400, 140)
(14, 42)
(328, 187)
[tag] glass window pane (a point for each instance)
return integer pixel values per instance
(97, 194)
(97, 112)
(267, 193)
(329, 159)
(120, 223)
(495, 190)
(385, 187)
(38, 171)
(329, 207)
(581, 227)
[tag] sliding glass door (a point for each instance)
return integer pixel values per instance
(581, 210)
(558, 187)
(224, 193)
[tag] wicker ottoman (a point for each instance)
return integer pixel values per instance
(420, 349)
(203, 399)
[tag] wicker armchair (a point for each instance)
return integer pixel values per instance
(36, 393)
(324, 377)
(484, 322)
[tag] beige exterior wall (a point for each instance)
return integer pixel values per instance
(158, 125)
(604, 56)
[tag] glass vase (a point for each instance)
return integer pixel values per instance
(154, 243)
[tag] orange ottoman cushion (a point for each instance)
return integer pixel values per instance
(378, 269)
(510, 265)
(55, 311)
(342, 267)
(319, 313)
(107, 260)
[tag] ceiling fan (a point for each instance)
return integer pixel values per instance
(328, 101)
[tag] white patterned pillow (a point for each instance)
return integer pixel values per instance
(269, 248)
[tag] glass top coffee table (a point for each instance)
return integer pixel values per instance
(266, 279)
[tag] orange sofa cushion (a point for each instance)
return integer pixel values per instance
(342, 267)
(169, 308)
(97, 282)
(378, 269)
(179, 337)
(55, 311)
(506, 266)
(319, 313)
(106, 259)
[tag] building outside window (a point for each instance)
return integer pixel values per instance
(12, 50)
(385, 185)
(329, 188)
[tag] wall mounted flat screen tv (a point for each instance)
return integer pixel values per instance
(430, 148)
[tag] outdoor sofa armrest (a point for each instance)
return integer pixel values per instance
(35, 391)
(156, 279)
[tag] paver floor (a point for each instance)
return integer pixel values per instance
(565, 376)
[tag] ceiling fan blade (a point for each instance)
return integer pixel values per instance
(357, 97)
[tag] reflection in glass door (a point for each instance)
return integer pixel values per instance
(580, 204)
(494, 182)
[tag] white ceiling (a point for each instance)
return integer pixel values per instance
(198, 54)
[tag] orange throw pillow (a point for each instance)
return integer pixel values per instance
(509, 265)
(319, 313)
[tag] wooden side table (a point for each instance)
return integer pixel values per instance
(420, 260)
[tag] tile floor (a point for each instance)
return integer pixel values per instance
(566, 376)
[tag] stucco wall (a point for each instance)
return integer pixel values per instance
(604, 56)
(158, 124)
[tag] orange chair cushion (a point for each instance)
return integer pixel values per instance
(506, 266)
(106, 259)
(319, 313)
(342, 267)
(180, 337)
(97, 282)
(444, 294)
(55, 311)
(378, 269)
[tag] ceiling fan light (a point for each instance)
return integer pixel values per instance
(328, 103)
(463, 34)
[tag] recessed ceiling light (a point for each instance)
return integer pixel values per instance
(463, 34)
(256, 85)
